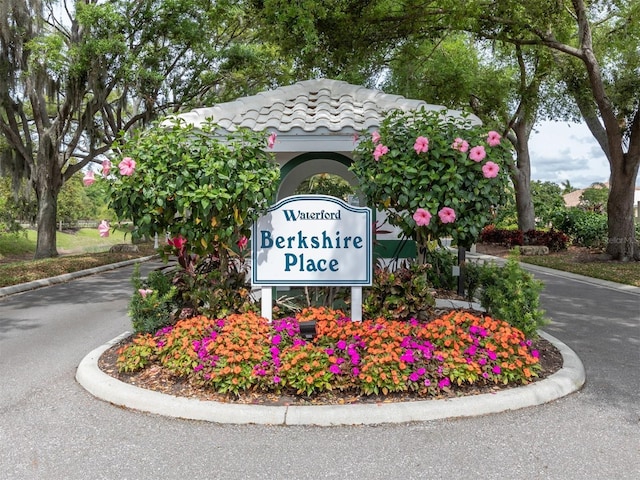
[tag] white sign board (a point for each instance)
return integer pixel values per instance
(312, 240)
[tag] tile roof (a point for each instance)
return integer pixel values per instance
(320, 106)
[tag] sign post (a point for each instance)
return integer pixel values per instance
(312, 240)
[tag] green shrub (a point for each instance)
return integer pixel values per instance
(440, 274)
(511, 294)
(587, 229)
(152, 305)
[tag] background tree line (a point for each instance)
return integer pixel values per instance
(81, 75)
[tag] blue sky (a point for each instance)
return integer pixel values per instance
(567, 151)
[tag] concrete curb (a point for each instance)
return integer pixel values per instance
(46, 282)
(567, 380)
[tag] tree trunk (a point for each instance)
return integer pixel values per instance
(521, 176)
(48, 182)
(622, 242)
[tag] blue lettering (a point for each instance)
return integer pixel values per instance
(290, 215)
(267, 241)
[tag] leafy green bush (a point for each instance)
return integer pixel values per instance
(153, 303)
(511, 294)
(399, 294)
(442, 262)
(587, 229)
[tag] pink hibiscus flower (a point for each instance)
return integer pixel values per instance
(88, 178)
(421, 145)
(375, 137)
(490, 170)
(460, 145)
(422, 217)
(144, 292)
(271, 141)
(127, 166)
(477, 154)
(106, 167)
(447, 215)
(493, 138)
(103, 228)
(380, 151)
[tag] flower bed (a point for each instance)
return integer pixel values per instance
(244, 353)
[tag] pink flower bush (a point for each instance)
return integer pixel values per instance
(460, 145)
(375, 137)
(88, 178)
(421, 145)
(422, 217)
(490, 170)
(493, 138)
(103, 228)
(447, 215)
(477, 154)
(127, 166)
(106, 168)
(380, 151)
(271, 141)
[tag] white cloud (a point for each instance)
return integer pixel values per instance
(563, 151)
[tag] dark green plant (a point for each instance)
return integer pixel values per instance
(152, 305)
(440, 274)
(511, 294)
(399, 294)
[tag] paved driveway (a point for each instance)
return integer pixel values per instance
(51, 428)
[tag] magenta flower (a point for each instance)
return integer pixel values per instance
(335, 369)
(445, 382)
(490, 170)
(496, 369)
(106, 167)
(242, 243)
(460, 145)
(422, 217)
(491, 354)
(414, 377)
(493, 138)
(88, 178)
(421, 145)
(535, 353)
(276, 379)
(341, 344)
(271, 141)
(477, 154)
(447, 215)
(355, 371)
(177, 242)
(380, 151)
(144, 292)
(127, 166)
(275, 340)
(375, 137)
(103, 228)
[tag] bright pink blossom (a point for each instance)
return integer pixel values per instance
(106, 167)
(335, 369)
(477, 154)
(422, 217)
(447, 215)
(127, 166)
(88, 178)
(375, 137)
(380, 151)
(490, 170)
(493, 138)
(103, 228)
(271, 141)
(460, 145)
(144, 292)
(496, 369)
(421, 145)
(177, 242)
(242, 243)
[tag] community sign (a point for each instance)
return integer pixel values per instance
(312, 240)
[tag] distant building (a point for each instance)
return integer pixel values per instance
(573, 199)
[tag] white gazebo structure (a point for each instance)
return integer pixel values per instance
(317, 123)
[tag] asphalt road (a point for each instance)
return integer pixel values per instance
(51, 428)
